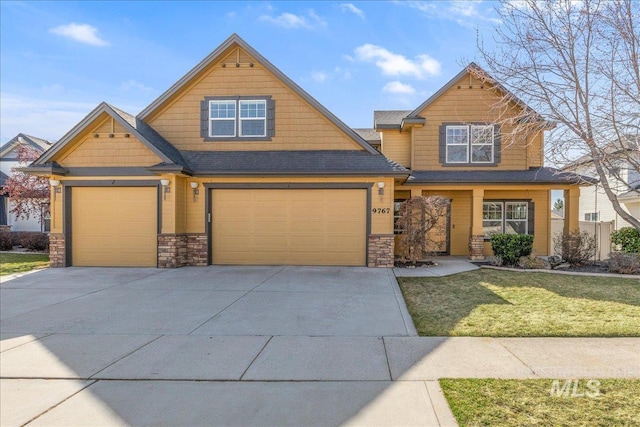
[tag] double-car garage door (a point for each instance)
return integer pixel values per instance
(289, 226)
(118, 226)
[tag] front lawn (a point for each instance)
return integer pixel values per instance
(19, 263)
(492, 402)
(497, 303)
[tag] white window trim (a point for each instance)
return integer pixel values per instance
(235, 120)
(526, 220)
(475, 144)
(241, 119)
(466, 144)
(470, 144)
(504, 215)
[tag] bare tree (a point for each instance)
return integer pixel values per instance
(29, 194)
(577, 64)
(422, 221)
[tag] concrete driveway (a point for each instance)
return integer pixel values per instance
(207, 346)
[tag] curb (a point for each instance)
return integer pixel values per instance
(567, 273)
(404, 311)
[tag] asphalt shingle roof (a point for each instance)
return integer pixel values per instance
(369, 135)
(290, 162)
(543, 175)
(389, 117)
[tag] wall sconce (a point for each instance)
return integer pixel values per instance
(194, 186)
(381, 188)
(55, 184)
(165, 187)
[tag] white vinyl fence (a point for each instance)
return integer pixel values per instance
(601, 230)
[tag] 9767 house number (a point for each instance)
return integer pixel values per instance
(381, 211)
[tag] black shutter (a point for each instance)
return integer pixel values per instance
(271, 118)
(497, 144)
(204, 119)
(443, 144)
(531, 217)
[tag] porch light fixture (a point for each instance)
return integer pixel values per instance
(381, 188)
(165, 186)
(194, 186)
(55, 184)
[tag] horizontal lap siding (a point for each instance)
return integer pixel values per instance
(397, 146)
(466, 105)
(298, 126)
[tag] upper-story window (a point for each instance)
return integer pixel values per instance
(237, 118)
(464, 144)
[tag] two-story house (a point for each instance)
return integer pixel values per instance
(233, 164)
(624, 181)
(236, 164)
(8, 162)
(462, 144)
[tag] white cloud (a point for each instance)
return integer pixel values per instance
(83, 33)
(393, 64)
(131, 85)
(319, 76)
(353, 9)
(291, 21)
(399, 87)
(466, 13)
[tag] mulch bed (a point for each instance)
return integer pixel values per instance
(594, 267)
(409, 264)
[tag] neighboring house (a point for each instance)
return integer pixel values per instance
(233, 164)
(455, 147)
(595, 206)
(8, 161)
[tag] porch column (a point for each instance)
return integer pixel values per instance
(476, 240)
(571, 209)
(416, 192)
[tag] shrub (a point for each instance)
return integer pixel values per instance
(624, 263)
(628, 238)
(35, 241)
(576, 247)
(533, 262)
(510, 247)
(6, 240)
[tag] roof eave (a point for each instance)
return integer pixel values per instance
(48, 169)
(301, 173)
(173, 168)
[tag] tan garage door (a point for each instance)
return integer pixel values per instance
(296, 227)
(114, 226)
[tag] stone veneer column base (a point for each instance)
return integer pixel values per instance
(57, 256)
(380, 250)
(172, 250)
(197, 250)
(476, 248)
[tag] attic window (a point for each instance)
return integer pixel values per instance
(469, 144)
(237, 118)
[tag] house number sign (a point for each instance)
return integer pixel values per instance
(381, 211)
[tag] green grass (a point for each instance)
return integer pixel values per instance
(19, 263)
(491, 402)
(512, 304)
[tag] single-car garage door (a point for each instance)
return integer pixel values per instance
(114, 226)
(289, 226)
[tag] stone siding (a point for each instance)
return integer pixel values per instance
(57, 255)
(476, 248)
(381, 250)
(172, 250)
(197, 250)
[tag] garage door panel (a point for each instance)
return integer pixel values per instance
(289, 226)
(114, 226)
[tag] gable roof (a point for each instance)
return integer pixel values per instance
(234, 39)
(389, 119)
(369, 135)
(622, 145)
(38, 144)
(477, 71)
(143, 132)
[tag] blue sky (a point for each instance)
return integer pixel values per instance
(60, 59)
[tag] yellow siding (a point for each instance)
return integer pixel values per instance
(114, 226)
(168, 206)
(289, 226)
(460, 219)
(298, 126)
(464, 105)
(182, 196)
(57, 217)
(535, 154)
(396, 146)
(104, 151)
